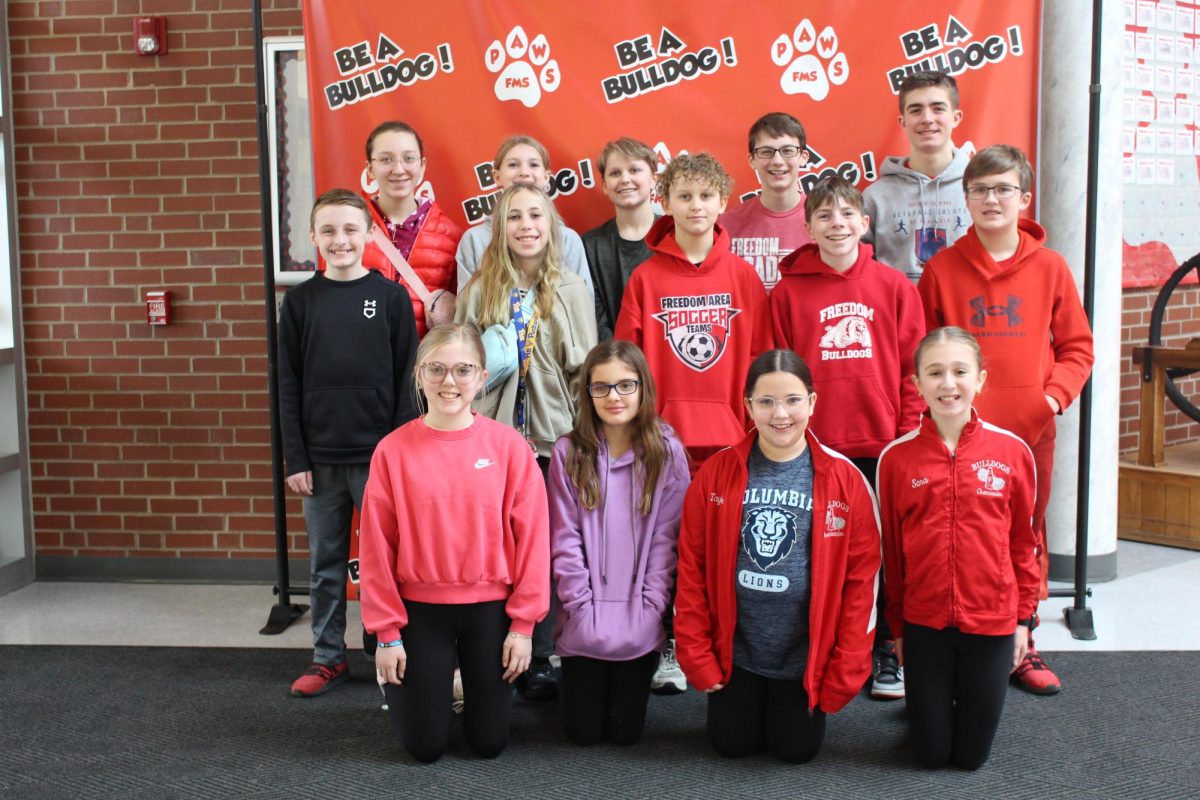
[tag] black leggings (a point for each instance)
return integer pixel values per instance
(954, 686)
(435, 637)
(753, 713)
(606, 699)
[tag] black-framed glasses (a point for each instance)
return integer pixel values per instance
(1003, 191)
(436, 372)
(600, 390)
(765, 404)
(767, 153)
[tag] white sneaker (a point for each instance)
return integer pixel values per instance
(669, 678)
(456, 694)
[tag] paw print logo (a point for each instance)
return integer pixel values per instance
(525, 67)
(805, 71)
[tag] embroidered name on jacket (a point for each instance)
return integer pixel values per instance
(993, 475)
(850, 336)
(698, 327)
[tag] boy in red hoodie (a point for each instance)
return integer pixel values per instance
(856, 323)
(698, 312)
(1019, 300)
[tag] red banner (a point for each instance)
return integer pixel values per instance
(680, 77)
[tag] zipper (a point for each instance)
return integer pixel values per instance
(953, 533)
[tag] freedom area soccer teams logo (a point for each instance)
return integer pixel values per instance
(697, 326)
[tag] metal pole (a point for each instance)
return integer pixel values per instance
(1079, 616)
(284, 612)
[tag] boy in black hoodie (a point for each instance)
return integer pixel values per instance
(347, 342)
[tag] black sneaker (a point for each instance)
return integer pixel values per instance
(540, 682)
(887, 682)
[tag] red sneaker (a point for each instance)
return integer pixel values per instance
(1034, 676)
(320, 678)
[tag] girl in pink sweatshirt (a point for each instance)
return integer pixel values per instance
(454, 559)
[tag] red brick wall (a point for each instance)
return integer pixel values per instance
(138, 173)
(1181, 322)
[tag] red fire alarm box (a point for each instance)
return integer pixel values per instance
(158, 307)
(150, 36)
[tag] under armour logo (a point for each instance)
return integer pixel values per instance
(369, 308)
(983, 311)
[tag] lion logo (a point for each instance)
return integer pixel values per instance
(768, 535)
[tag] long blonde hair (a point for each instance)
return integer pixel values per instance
(498, 273)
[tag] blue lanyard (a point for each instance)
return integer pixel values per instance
(526, 339)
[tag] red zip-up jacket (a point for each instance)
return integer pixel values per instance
(958, 540)
(431, 257)
(845, 571)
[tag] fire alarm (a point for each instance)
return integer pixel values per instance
(158, 307)
(150, 36)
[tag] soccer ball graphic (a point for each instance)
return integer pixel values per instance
(699, 347)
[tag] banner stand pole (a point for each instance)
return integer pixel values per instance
(284, 612)
(1079, 616)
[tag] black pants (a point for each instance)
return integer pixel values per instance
(753, 713)
(605, 699)
(543, 632)
(882, 632)
(435, 637)
(955, 684)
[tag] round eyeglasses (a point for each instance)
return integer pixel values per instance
(792, 403)
(436, 372)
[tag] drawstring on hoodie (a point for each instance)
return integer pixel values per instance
(637, 554)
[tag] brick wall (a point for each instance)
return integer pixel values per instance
(137, 173)
(1181, 322)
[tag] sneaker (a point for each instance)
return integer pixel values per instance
(887, 677)
(320, 678)
(456, 693)
(1034, 676)
(540, 682)
(668, 678)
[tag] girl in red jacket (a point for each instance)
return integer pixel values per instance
(417, 227)
(455, 556)
(956, 496)
(778, 567)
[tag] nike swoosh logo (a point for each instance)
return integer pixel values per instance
(483, 462)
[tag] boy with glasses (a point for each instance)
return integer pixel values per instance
(1018, 299)
(915, 207)
(347, 343)
(765, 229)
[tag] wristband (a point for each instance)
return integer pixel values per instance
(393, 643)
(515, 635)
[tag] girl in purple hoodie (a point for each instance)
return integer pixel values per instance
(617, 482)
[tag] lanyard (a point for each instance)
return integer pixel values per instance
(526, 339)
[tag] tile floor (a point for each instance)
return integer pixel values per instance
(1148, 607)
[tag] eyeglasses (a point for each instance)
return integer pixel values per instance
(767, 153)
(407, 159)
(435, 372)
(601, 390)
(791, 404)
(1002, 191)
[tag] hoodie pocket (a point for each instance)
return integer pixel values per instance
(704, 423)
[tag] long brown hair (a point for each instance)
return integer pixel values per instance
(649, 446)
(498, 273)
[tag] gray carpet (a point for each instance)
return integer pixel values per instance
(94, 722)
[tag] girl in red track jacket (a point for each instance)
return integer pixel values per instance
(956, 499)
(455, 558)
(777, 574)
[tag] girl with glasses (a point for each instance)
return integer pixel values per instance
(453, 568)
(419, 231)
(617, 482)
(539, 324)
(778, 566)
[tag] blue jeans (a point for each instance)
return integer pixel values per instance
(337, 491)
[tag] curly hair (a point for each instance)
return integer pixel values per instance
(702, 168)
